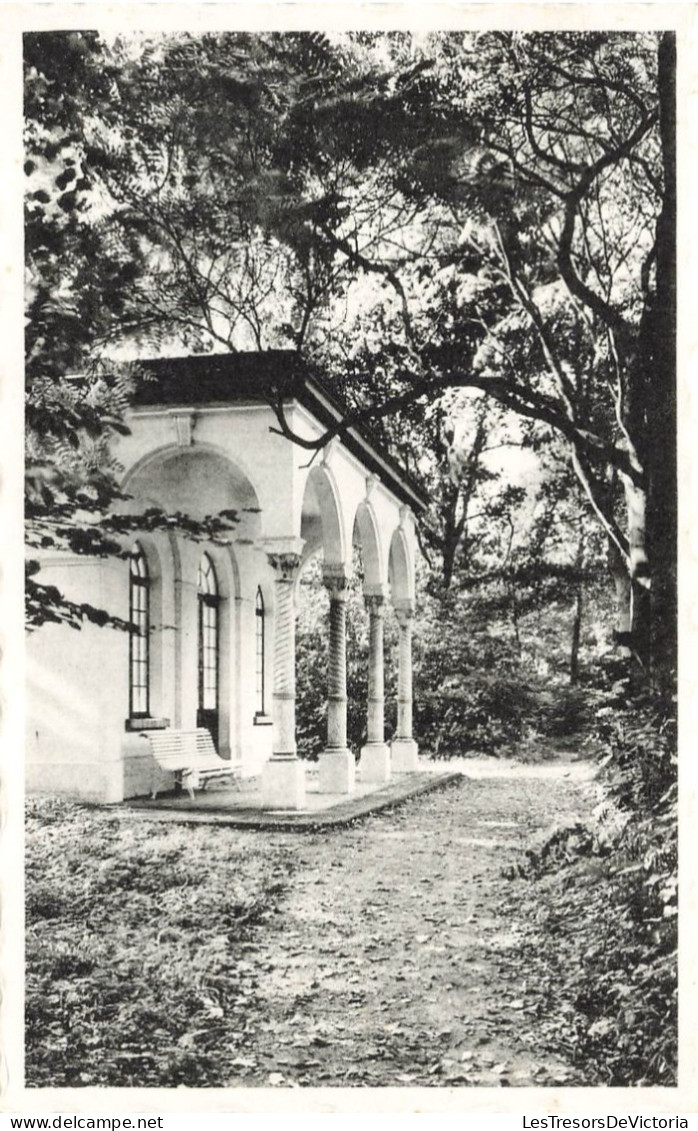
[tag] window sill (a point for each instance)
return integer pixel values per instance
(146, 724)
(263, 721)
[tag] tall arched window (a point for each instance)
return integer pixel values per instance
(208, 646)
(139, 615)
(259, 634)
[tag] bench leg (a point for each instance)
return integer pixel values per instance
(188, 783)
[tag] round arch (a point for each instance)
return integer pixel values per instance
(199, 480)
(367, 535)
(400, 568)
(322, 525)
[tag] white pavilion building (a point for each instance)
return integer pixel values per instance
(213, 637)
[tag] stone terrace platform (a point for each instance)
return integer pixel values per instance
(220, 804)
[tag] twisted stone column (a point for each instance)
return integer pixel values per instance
(375, 755)
(284, 695)
(403, 747)
(376, 677)
(404, 674)
(283, 777)
(336, 765)
(337, 667)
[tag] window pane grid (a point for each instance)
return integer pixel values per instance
(208, 635)
(138, 636)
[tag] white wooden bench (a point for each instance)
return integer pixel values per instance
(191, 755)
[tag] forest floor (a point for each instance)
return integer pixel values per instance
(395, 952)
(397, 958)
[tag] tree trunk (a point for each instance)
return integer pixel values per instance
(636, 506)
(576, 635)
(662, 501)
(651, 421)
(451, 534)
(513, 604)
(450, 545)
(623, 590)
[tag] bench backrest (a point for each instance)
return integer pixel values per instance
(181, 749)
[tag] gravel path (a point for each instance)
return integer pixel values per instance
(394, 958)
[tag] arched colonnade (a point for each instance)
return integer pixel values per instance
(288, 513)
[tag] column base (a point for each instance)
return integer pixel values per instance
(374, 764)
(283, 784)
(403, 755)
(337, 771)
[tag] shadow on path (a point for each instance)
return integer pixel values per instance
(394, 959)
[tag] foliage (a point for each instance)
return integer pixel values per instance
(607, 891)
(82, 261)
(640, 763)
(78, 273)
(480, 715)
(493, 654)
(470, 698)
(454, 199)
(76, 280)
(135, 949)
(523, 276)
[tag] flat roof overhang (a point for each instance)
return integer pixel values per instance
(267, 377)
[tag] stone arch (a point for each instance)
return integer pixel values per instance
(400, 568)
(198, 480)
(322, 526)
(367, 535)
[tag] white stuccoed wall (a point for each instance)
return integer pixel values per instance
(77, 688)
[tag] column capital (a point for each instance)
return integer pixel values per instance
(335, 578)
(375, 604)
(375, 590)
(285, 564)
(404, 611)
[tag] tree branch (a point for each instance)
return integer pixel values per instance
(356, 258)
(565, 166)
(575, 284)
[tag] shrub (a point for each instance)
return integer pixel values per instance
(611, 890)
(475, 713)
